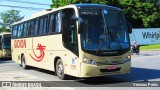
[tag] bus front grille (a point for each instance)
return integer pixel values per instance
(110, 62)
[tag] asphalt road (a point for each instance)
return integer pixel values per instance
(145, 68)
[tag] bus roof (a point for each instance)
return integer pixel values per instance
(92, 6)
(86, 6)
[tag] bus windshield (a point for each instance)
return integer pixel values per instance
(7, 41)
(105, 30)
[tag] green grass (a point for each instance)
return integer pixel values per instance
(150, 47)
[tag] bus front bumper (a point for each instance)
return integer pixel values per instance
(88, 70)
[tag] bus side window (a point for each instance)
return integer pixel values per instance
(51, 24)
(25, 29)
(45, 25)
(28, 28)
(18, 26)
(14, 31)
(32, 28)
(36, 27)
(40, 32)
(20, 30)
(57, 22)
(22, 25)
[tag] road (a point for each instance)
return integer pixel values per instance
(145, 67)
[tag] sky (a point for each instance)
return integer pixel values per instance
(25, 12)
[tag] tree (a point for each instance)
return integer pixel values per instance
(9, 17)
(4, 30)
(142, 13)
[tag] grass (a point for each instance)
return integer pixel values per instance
(150, 47)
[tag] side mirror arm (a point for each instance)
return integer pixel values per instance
(129, 27)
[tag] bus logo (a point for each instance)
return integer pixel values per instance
(34, 56)
(41, 56)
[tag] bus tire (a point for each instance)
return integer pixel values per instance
(23, 62)
(60, 70)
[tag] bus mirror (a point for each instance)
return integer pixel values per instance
(74, 18)
(129, 25)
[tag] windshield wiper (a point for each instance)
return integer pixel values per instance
(103, 38)
(99, 44)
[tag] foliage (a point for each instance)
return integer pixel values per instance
(9, 17)
(150, 47)
(4, 30)
(141, 13)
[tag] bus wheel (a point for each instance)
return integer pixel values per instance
(60, 70)
(23, 62)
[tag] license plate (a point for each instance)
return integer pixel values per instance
(111, 67)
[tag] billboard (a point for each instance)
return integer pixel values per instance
(145, 36)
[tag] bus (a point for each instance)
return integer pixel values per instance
(5, 45)
(80, 40)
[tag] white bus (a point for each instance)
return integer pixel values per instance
(81, 40)
(5, 45)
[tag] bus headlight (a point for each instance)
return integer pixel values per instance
(88, 61)
(91, 62)
(127, 59)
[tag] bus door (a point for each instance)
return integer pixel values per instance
(70, 41)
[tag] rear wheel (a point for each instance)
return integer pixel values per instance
(60, 70)
(23, 62)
